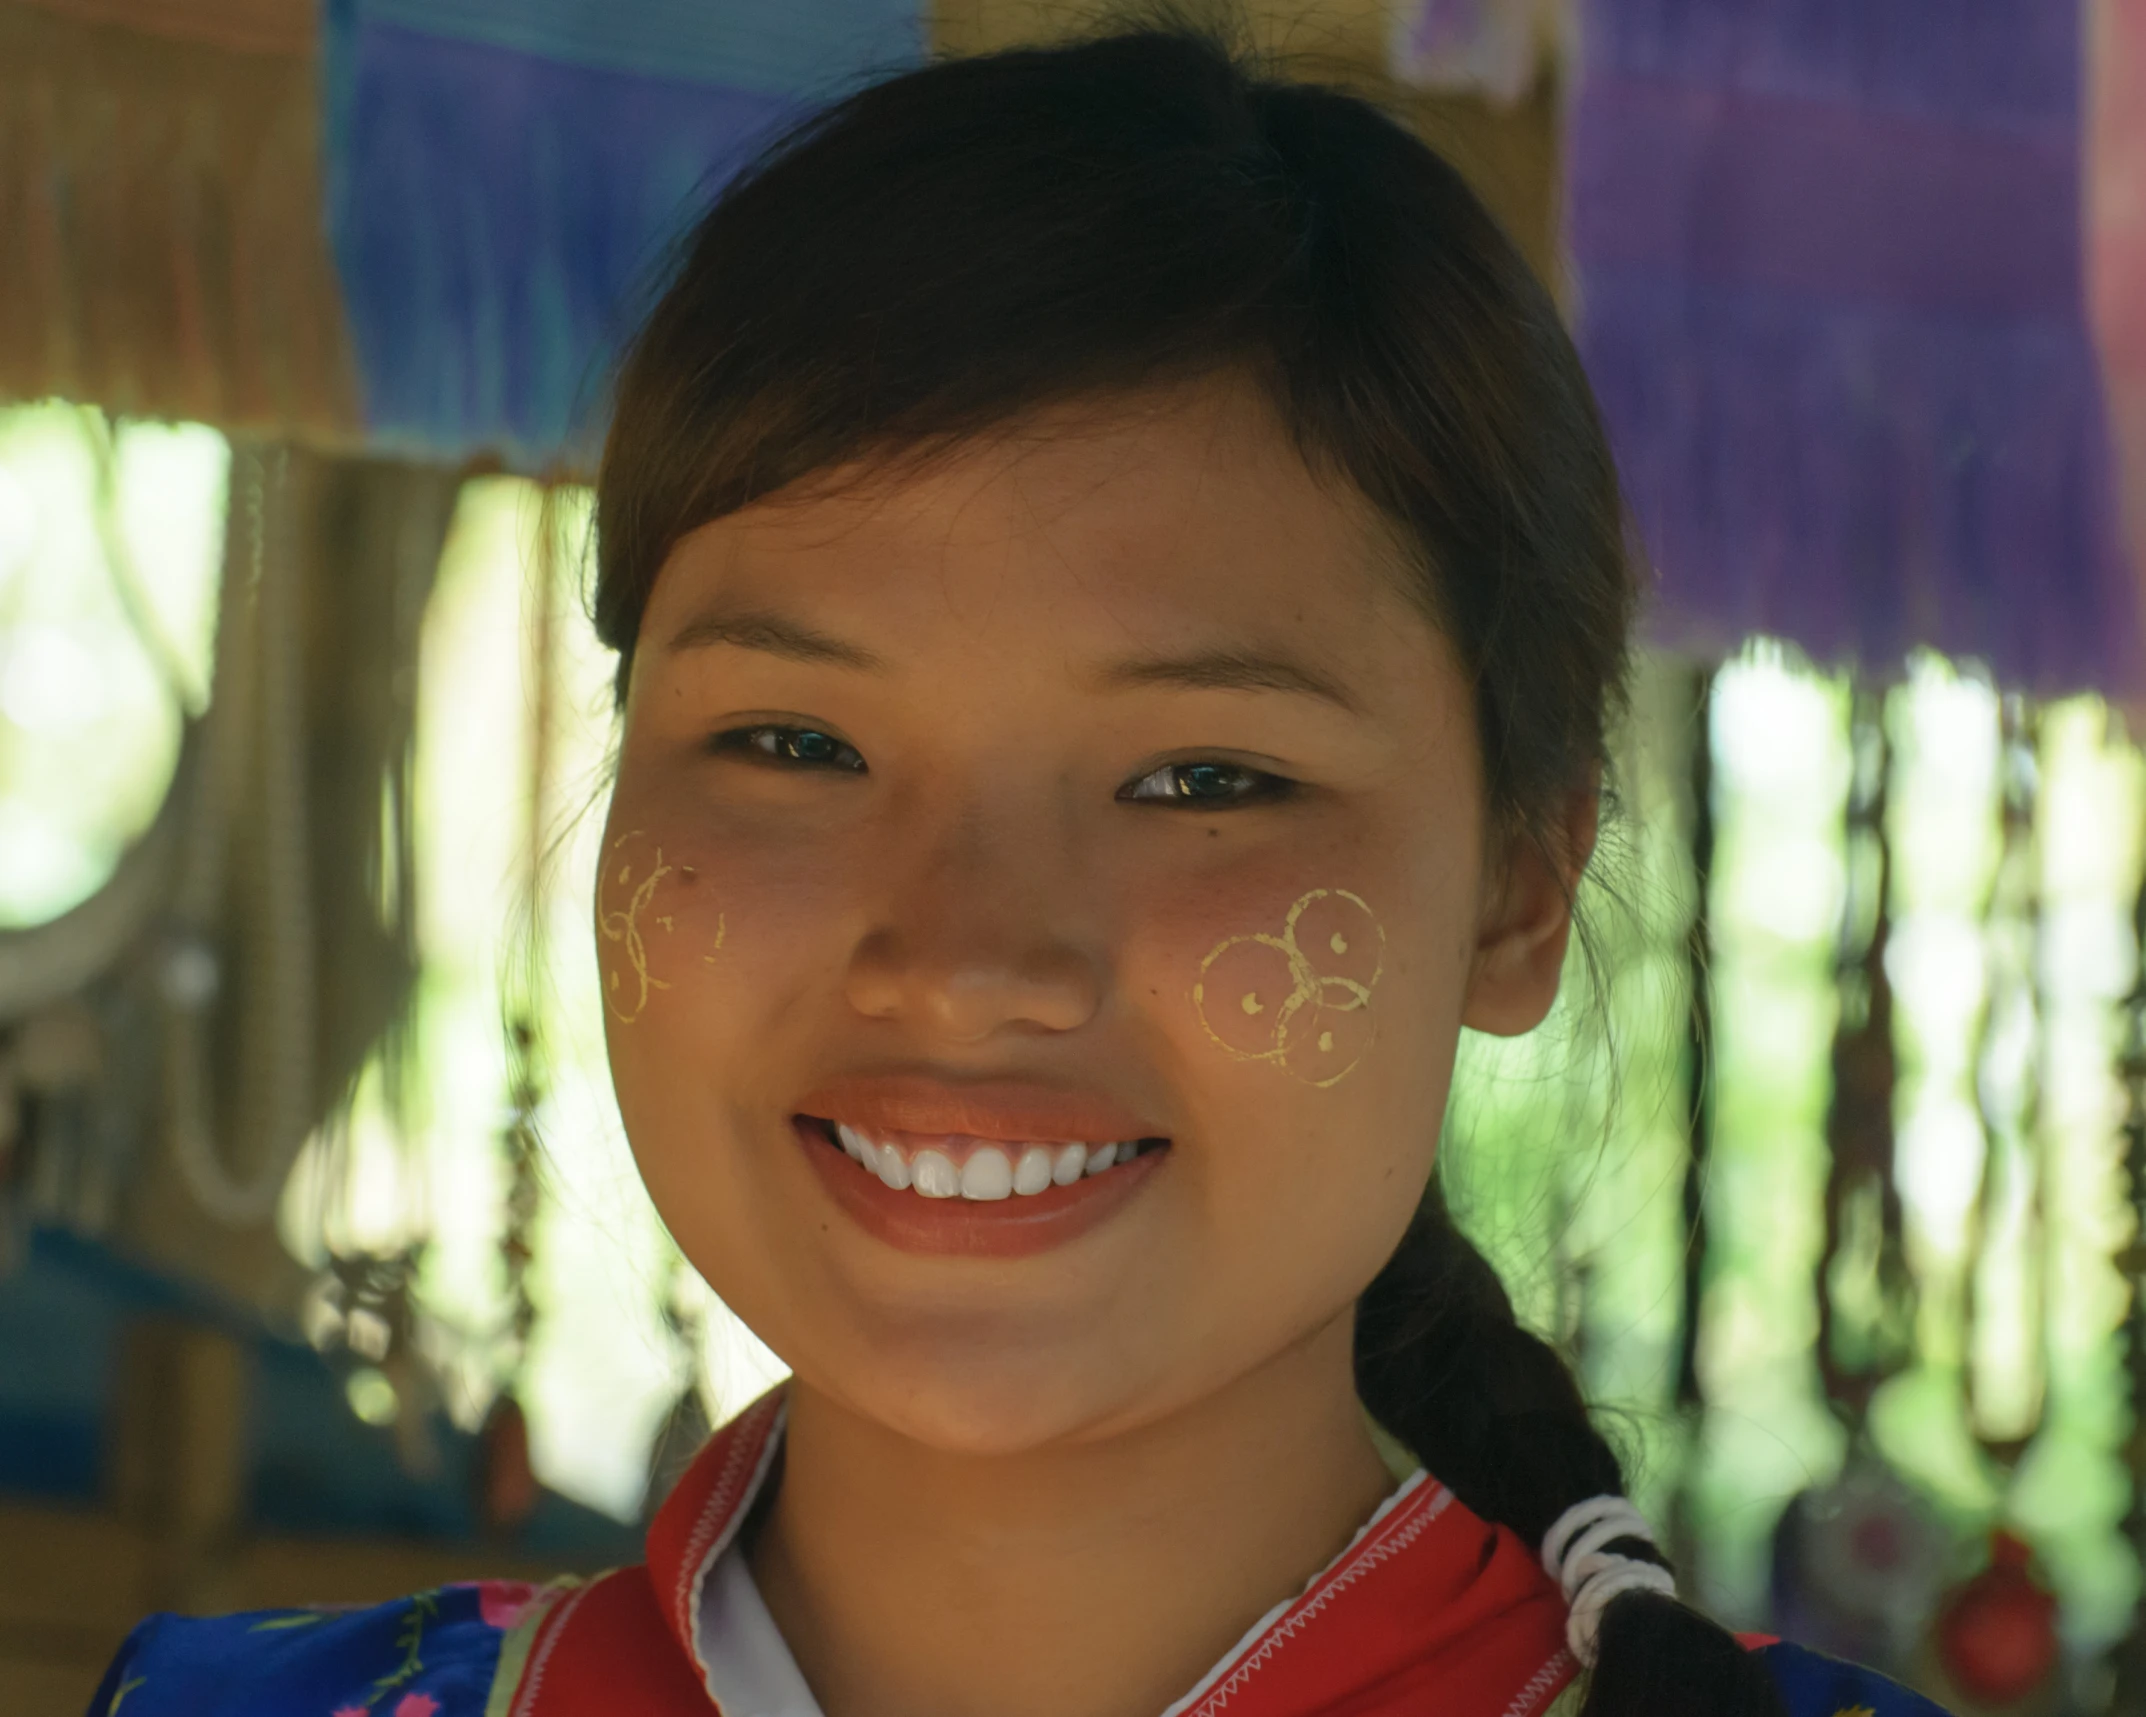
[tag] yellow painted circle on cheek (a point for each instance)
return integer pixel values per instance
(1322, 967)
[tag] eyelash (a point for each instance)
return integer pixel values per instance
(782, 746)
(1256, 787)
(770, 742)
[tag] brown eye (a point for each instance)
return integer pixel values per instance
(799, 747)
(1209, 786)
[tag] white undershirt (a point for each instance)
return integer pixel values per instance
(750, 1670)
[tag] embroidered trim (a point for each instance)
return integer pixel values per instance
(514, 1648)
(1401, 1532)
(720, 1515)
(533, 1678)
(1545, 1678)
(410, 1641)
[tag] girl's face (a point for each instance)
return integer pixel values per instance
(1101, 783)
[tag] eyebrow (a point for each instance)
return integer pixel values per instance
(1230, 671)
(1206, 670)
(772, 634)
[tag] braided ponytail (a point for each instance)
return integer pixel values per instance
(1497, 1416)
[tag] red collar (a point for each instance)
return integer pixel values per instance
(1430, 1608)
(705, 1509)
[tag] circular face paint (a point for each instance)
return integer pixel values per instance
(626, 993)
(624, 916)
(1300, 999)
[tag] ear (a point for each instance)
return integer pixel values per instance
(1527, 919)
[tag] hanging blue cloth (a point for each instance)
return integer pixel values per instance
(1830, 274)
(505, 178)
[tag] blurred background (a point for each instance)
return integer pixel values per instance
(324, 1273)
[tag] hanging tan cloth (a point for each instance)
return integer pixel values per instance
(160, 194)
(288, 946)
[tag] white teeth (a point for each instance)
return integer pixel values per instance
(987, 1175)
(1033, 1172)
(935, 1176)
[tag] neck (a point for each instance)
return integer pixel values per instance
(913, 1583)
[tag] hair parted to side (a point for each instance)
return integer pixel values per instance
(947, 250)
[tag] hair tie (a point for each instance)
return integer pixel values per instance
(1589, 1575)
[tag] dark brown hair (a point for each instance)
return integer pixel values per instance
(947, 250)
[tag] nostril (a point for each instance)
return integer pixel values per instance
(877, 981)
(971, 1000)
(1054, 995)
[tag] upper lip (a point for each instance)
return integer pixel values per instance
(1008, 1110)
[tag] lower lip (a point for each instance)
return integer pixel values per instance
(1013, 1227)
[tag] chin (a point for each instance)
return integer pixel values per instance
(989, 1398)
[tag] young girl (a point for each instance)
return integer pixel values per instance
(1118, 587)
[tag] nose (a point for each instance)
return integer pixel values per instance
(971, 996)
(974, 948)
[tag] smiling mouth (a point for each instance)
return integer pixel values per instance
(979, 1171)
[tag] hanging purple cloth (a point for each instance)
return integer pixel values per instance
(2117, 223)
(1831, 292)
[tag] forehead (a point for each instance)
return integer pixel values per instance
(1181, 516)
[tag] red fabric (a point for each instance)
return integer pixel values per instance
(705, 1509)
(1430, 1609)
(604, 1649)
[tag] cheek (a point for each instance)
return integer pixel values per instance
(1312, 1054)
(700, 940)
(657, 922)
(1302, 1010)
(1300, 995)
